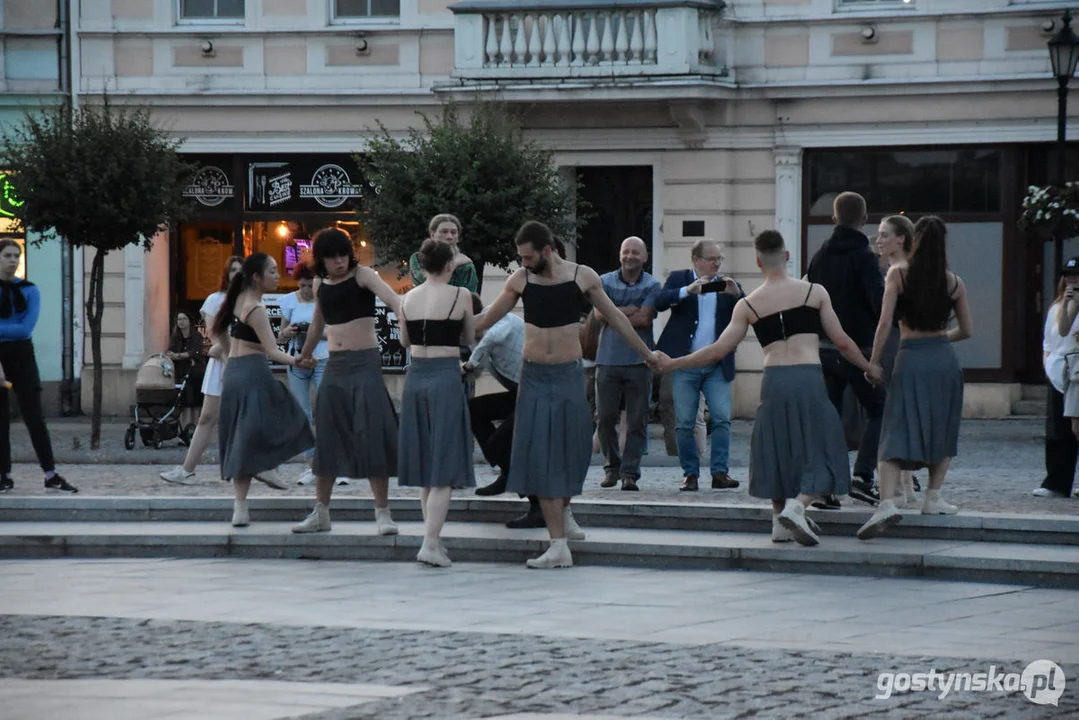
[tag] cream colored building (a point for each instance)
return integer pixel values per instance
(684, 118)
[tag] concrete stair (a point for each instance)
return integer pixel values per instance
(1016, 549)
(1031, 402)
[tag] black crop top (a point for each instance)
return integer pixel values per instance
(242, 331)
(785, 324)
(345, 301)
(549, 306)
(436, 333)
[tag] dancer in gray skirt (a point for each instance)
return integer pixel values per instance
(434, 448)
(925, 400)
(357, 425)
(261, 425)
(797, 450)
(552, 434)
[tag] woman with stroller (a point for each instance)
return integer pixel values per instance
(188, 354)
(262, 425)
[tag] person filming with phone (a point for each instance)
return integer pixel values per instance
(701, 301)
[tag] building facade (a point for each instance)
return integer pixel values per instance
(33, 73)
(681, 118)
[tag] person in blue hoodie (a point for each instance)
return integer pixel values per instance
(20, 304)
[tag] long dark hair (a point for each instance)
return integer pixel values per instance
(223, 286)
(255, 264)
(927, 302)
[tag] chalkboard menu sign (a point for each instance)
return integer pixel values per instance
(388, 328)
(273, 309)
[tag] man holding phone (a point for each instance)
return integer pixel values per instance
(701, 302)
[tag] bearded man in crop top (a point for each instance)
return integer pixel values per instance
(552, 439)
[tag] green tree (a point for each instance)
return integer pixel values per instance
(101, 177)
(483, 171)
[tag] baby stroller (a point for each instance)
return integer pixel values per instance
(159, 402)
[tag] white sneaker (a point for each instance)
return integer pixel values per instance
(317, 521)
(433, 555)
(909, 494)
(384, 522)
(780, 534)
(273, 479)
(900, 500)
(240, 516)
(178, 476)
(557, 556)
(886, 516)
(573, 530)
(935, 505)
(1047, 493)
(306, 479)
(794, 519)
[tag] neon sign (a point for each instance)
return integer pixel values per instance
(9, 200)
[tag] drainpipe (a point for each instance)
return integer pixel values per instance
(69, 74)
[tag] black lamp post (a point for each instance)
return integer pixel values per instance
(1063, 55)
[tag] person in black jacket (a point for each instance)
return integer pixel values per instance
(849, 270)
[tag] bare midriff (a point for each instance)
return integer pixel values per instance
(552, 346)
(358, 334)
(239, 348)
(905, 333)
(798, 350)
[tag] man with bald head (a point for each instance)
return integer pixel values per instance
(622, 378)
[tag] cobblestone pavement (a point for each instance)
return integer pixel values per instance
(477, 674)
(1000, 462)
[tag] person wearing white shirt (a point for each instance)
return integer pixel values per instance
(1061, 324)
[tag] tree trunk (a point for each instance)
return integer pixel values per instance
(95, 304)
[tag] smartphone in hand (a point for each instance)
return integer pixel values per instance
(714, 287)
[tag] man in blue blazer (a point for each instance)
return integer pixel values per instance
(701, 302)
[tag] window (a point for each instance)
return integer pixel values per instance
(211, 9)
(870, 4)
(358, 9)
(909, 181)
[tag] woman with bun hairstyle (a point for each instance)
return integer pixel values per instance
(357, 425)
(924, 405)
(434, 449)
(261, 424)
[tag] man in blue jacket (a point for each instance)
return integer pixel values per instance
(20, 304)
(701, 302)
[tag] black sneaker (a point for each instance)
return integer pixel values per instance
(57, 484)
(6, 484)
(864, 490)
(827, 502)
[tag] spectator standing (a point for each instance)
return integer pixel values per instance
(1061, 324)
(622, 377)
(701, 302)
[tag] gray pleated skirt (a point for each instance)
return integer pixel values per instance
(924, 405)
(261, 425)
(797, 444)
(552, 432)
(435, 442)
(357, 425)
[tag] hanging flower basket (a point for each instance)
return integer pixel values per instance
(1051, 211)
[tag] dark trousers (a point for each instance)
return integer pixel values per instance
(1060, 446)
(838, 375)
(496, 442)
(17, 358)
(618, 386)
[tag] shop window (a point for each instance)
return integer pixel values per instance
(360, 9)
(211, 9)
(908, 181)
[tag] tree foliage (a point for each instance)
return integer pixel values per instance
(482, 170)
(100, 177)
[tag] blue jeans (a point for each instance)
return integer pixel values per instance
(687, 386)
(301, 383)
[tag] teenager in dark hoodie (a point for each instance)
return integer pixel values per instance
(849, 270)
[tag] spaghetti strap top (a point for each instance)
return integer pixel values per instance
(437, 333)
(785, 324)
(242, 331)
(345, 301)
(550, 306)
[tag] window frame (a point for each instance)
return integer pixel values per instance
(181, 19)
(336, 19)
(845, 6)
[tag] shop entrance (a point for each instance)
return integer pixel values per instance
(619, 205)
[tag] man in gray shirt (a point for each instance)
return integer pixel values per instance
(622, 378)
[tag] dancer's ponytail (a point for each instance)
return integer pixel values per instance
(254, 265)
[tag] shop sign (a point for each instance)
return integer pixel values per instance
(9, 200)
(210, 186)
(330, 187)
(302, 185)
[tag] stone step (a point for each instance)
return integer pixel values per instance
(1043, 529)
(1035, 392)
(1010, 563)
(1029, 408)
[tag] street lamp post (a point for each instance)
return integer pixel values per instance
(1063, 55)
